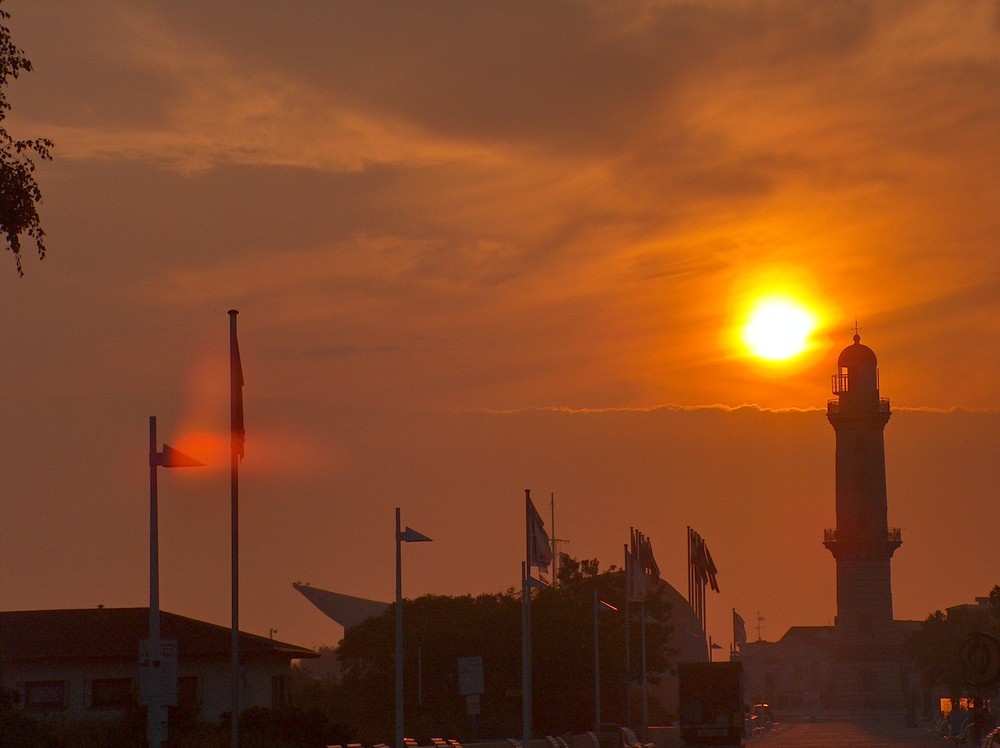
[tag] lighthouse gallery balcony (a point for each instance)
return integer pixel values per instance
(894, 535)
(834, 406)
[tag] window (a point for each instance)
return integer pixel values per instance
(45, 694)
(111, 693)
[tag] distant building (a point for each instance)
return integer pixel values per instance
(793, 672)
(86, 661)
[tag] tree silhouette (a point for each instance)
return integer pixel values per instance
(937, 648)
(19, 192)
(439, 629)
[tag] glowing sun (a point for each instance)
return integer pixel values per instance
(778, 329)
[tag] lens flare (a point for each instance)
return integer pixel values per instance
(211, 449)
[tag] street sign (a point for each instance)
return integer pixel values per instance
(158, 673)
(470, 676)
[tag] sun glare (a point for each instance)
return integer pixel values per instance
(778, 329)
(205, 447)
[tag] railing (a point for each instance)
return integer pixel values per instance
(833, 406)
(893, 535)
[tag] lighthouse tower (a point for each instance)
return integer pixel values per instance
(866, 667)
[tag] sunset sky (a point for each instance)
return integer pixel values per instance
(483, 247)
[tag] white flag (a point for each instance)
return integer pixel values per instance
(539, 547)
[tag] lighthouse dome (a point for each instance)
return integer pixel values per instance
(857, 355)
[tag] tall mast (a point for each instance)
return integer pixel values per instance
(554, 540)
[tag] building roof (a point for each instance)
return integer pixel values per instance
(818, 637)
(857, 354)
(687, 637)
(114, 633)
(346, 610)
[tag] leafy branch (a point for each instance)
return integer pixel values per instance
(19, 191)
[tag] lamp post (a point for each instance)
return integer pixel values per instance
(599, 605)
(156, 725)
(645, 683)
(408, 535)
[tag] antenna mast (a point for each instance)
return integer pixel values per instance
(554, 541)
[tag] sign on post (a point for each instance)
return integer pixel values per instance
(158, 673)
(470, 676)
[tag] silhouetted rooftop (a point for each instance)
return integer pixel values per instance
(857, 355)
(115, 633)
(817, 637)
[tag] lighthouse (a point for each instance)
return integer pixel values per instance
(866, 654)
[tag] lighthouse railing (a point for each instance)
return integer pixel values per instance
(834, 406)
(893, 535)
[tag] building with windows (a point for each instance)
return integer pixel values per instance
(86, 662)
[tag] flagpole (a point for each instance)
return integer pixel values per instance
(236, 417)
(526, 625)
(628, 642)
(597, 668)
(645, 687)
(399, 635)
(690, 589)
(154, 730)
(555, 554)
(152, 664)
(409, 535)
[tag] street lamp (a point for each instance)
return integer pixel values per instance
(409, 535)
(645, 683)
(599, 605)
(156, 725)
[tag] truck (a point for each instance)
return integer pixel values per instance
(711, 703)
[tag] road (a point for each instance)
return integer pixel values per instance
(861, 732)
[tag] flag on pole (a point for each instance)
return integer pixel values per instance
(698, 557)
(640, 566)
(170, 457)
(701, 561)
(710, 569)
(635, 578)
(238, 437)
(646, 559)
(236, 389)
(539, 546)
(739, 631)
